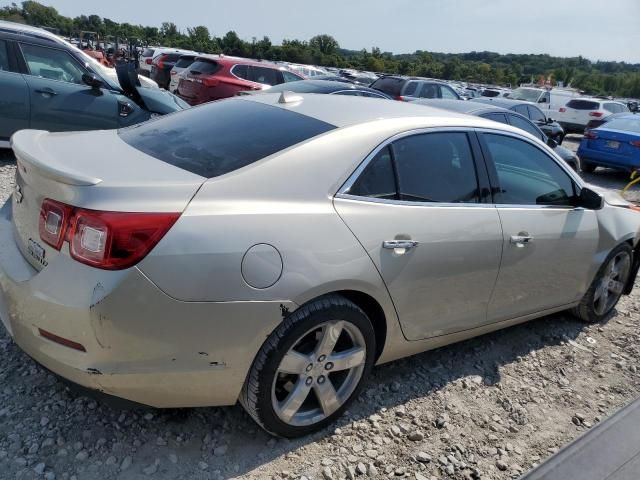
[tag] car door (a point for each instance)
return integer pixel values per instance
(416, 207)
(60, 100)
(548, 244)
(14, 95)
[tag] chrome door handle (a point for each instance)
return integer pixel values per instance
(521, 239)
(402, 244)
(47, 91)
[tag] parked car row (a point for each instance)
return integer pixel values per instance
(46, 83)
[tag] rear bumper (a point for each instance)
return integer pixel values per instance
(141, 345)
(608, 159)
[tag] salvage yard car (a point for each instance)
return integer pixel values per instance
(47, 83)
(615, 144)
(273, 248)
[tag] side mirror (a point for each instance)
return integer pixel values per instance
(550, 121)
(92, 80)
(552, 143)
(542, 100)
(633, 106)
(590, 200)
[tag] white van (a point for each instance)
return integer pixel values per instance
(547, 99)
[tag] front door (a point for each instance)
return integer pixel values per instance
(417, 211)
(14, 97)
(60, 100)
(548, 244)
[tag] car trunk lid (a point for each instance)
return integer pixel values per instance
(92, 170)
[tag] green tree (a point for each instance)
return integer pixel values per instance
(326, 44)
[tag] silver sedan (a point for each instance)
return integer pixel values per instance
(271, 249)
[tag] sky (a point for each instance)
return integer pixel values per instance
(595, 29)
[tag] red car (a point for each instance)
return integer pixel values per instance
(211, 77)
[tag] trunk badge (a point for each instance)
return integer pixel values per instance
(18, 194)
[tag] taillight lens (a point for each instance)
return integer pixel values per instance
(106, 240)
(635, 143)
(160, 60)
(54, 218)
(595, 114)
(562, 109)
(400, 98)
(149, 61)
(590, 135)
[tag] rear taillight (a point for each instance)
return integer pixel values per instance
(149, 61)
(210, 81)
(173, 73)
(159, 61)
(635, 143)
(562, 109)
(590, 135)
(400, 98)
(54, 218)
(106, 240)
(595, 114)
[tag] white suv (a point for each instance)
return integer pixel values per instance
(577, 113)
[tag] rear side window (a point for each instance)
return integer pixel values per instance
(527, 175)
(496, 117)
(377, 180)
(410, 89)
(264, 75)
(221, 137)
(184, 62)
(583, 105)
(148, 52)
(241, 71)
(4, 57)
(389, 85)
(522, 110)
(204, 67)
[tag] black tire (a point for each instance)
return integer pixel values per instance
(256, 395)
(587, 167)
(586, 310)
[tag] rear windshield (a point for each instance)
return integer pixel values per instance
(148, 52)
(184, 62)
(221, 137)
(624, 124)
(204, 66)
(583, 105)
(389, 85)
(171, 57)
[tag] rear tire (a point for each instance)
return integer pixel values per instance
(607, 286)
(310, 368)
(587, 167)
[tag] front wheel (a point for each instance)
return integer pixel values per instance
(607, 287)
(310, 368)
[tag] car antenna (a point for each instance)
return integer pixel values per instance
(289, 97)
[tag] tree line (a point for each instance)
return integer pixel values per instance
(599, 78)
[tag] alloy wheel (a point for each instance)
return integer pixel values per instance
(612, 283)
(319, 373)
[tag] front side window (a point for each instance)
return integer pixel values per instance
(430, 167)
(290, 77)
(524, 124)
(428, 90)
(527, 176)
(266, 76)
(496, 117)
(410, 89)
(522, 110)
(4, 56)
(52, 64)
(536, 115)
(448, 93)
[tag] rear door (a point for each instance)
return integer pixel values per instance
(60, 100)
(548, 244)
(14, 94)
(416, 207)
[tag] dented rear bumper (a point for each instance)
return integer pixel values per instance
(140, 344)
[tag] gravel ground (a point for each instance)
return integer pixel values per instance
(489, 408)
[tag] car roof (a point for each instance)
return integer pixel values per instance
(345, 110)
(406, 78)
(229, 61)
(324, 86)
(460, 106)
(501, 102)
(34, 32)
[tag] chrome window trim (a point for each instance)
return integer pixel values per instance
(342, 191)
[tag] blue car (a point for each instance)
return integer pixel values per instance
(615, 144)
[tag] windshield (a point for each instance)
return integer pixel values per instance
(526, 94)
